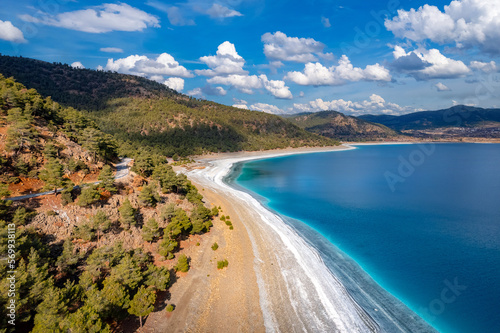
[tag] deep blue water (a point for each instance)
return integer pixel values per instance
(436, 226)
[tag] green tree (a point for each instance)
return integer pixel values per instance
(67, 259)
(86, 320)
(143, 303)
(90, 195)
(127, 272)
(51, 312)
(166, 248)
(150, 230)
(168, 212)
(20, 134)
(107, 180)
(182, 264)
(116, 297)
(100, 222)
(127, 214)
(53, 174)
(179, 224)
(149, 196)
(84, 231)
(157, 277)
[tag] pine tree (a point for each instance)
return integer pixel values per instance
(143, 303)
(168, 212)
(86, 320)
(116, 297)
(150, 230)
(100, 222)
(167, 247)
(149, 196)
(67, 258)
(127, 272)
(51, 312)
(107, 179)
(182, 264)
(53, 174)
(89, 196)
(127, 214)
(157, 277)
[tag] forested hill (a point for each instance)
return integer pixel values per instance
(457, 116)
(79, 88)
(334, 124)
(147, 115)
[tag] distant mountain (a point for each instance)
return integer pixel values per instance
(334, 124)
(148, 115)
(457, 116)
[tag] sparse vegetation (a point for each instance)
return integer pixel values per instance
(222, 263)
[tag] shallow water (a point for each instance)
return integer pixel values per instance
(427, 231)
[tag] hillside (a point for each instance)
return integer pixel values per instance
(457, 116)
(147, 114)
(334, 124)
(96, 257)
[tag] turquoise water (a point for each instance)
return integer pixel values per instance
(422, 220)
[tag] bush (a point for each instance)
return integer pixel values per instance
(215, 246)
(84, 232)
(149, 196)
(51, 213)
(170, 308)
(222, 263)
(66, 197)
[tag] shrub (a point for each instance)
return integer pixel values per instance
(170, 308)
(89, 196)
(215, 246)
(222, 263)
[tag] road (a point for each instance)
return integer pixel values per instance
(122, 170)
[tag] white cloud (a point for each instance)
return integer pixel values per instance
(195, 92)
(11, 33)
(77, 64)
(241, 106)
(268, 108)
(466, 23)
(279, 46)
(276, 87)
(434, 64)
(315, 74)
(244, 83)
(226, 62)
(326, 22)
(165, 64)
(375, 105)
(105, 18)
(485, 67)
(111, 49)
(226, 68)
(175, 83)
(441, 87)
(219, 11)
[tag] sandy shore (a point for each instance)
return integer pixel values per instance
(275, 281)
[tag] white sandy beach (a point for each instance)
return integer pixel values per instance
(280, 279)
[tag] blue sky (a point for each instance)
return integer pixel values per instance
(357, 57)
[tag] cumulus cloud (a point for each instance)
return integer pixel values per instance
(276, 87)
(11, 33)
(208, 90)
(244, 83)
(175, 83)
(111, 49)
(141, 65)
(219, 11)
(374, 105)
(326, 22)
(278, 46)
(77, 64)
(485, 67)
(428, 64)
(105, 18)
(226, 68)
(226, 62)
(466, 23)
(241, 106)
(315, 74)
(441, 87)
(268, 108)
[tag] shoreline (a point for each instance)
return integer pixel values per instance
(296, 289)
